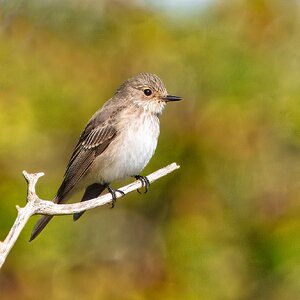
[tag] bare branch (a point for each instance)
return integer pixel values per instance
(35, 205)
(32, 180)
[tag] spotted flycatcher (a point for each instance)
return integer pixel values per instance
(117, 142)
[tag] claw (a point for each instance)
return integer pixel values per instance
(114, 195)
(145, 182)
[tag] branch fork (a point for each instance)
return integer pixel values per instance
(35, 205)
(32, 180)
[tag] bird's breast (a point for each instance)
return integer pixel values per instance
(132, 149)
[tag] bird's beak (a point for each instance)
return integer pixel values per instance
(171, 98)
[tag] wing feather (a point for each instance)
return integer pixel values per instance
(87, 149)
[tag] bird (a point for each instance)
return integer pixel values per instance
(117, 142)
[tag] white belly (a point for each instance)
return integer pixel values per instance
(129, 153)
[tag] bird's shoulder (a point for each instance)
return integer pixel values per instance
(104, 118)
(99, 132)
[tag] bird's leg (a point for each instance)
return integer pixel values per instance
(113, 194)
(145, 182)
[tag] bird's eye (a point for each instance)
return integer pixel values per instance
(147, 92)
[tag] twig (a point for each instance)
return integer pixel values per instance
(35, 205)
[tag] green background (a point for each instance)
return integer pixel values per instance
(226, 225)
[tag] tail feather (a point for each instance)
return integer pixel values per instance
(39, 226)
(91, 192)
(42, 222)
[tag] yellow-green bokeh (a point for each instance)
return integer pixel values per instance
(226, 224)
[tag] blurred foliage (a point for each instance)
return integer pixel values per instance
(226, 225)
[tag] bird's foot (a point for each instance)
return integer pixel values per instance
(145, 182)
(114, 195)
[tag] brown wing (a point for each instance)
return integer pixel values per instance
(90, 145)
(95, 138)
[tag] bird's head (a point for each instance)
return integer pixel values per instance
(146, 91)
